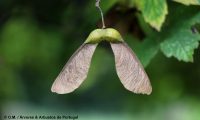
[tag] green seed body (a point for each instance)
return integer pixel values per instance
(109, 34)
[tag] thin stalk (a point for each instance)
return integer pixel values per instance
(101, 12)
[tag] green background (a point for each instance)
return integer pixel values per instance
(38, 37)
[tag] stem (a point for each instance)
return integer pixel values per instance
(102, 18)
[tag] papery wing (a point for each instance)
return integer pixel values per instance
(129, 69)
(75, 71)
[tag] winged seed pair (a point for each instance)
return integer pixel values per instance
(128, 67)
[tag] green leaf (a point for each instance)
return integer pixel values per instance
(189, 2)
(176, 38)
(181, 45)
(154, 11)
(179, 40)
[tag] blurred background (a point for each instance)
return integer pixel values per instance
(38, 37)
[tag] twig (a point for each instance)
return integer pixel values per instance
(102, 18)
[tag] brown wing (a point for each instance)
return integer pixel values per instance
(75, 71)
(130, 70)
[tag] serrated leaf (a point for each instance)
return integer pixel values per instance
(154, 11)
(179, 40)
(181, 45)
(188, 2)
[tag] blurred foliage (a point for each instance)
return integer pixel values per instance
(38, 37)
